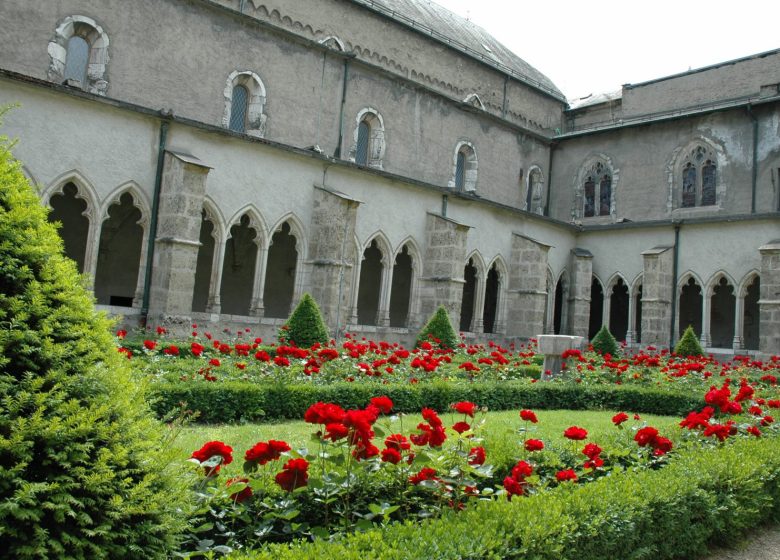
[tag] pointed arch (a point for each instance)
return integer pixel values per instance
(714, 281)
(617, 301)
(561, 307)
(383, 243)
(493, 302)
(402, 303)
(74, 204)
(214, 215)
(474, 100)
(472, 295)
(282, 279)
(691, 296)
(87, 191)
(749, 310)
(695, 175)
(333, 42)
(595, 188)
(140, 201)
(597, 297)
(686, 276)
(479, 261)
(256, 222)
(720, 307)
(212, 237)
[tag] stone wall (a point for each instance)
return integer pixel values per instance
(527, 290)
(657, 294)
(580, 279)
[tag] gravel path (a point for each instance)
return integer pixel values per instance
(763, 544)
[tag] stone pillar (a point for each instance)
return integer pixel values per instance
(178, 239)
(769, 299)
(527, 289)
(331, 252)
(579, 292)
(383, 320)
(656, 295)
(739, 322)
(442, 281)
(706, 317)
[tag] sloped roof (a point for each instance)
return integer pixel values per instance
(451, 29)
(595, 99)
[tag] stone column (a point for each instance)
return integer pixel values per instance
(477, 319)
(656, 295)
(769, 299)
(442, 281)
(257, 307)
(706, 317)
(579, 292)
(214, 305)
(178, 239)
(527, 289)
(630, 333)
(331, 249)
(739, 322)
(383, 319)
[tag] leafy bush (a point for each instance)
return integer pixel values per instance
(688, 345)
(439, 328)
(81, 471)
(605, 343)
(305, 326)
(704, 496)
(242, 401)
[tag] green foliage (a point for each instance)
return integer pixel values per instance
(305, 326)
(704, 496)
(605, 343)
(688, 345)
(245, 401)
(439, 328)
(81, 471)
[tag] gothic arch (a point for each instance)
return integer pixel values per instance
(412, 248)
(382, 243)
(296, 230)
(86, 192)
(255, 121)
(256, 222)
(687, 275)
(714, 280)
(96, 80)
(214, 215)
(474, 100)
(674, 171)
(596, 165)
(746, 281)
(479, 263)
(140, 201)
(333, 42)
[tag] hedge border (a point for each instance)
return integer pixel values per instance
(232, 402)
(705, 496)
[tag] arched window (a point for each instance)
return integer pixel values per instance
(244, 104)
(79, 53)
(698, 178)
(368, 147)
(597, 191)
(464, 173)
(534, 201)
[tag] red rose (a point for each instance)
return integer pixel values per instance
(461, 427)
(534, 445)
(662, 446)
(384, 404)
(213, 449)
(324, 413)
(619, 418)
(522, 470)
(513, 487)
(397, 441)
(591, 451)
(564, 475)
(426, 473)
(240, 495)
(528, 416)
(335, 431)
(477, 456)
(575, 433)
(150, 344)
(465, 407)
(431, 417)
(263, 452)
(391, 455)
(295, 475)
(646, 436)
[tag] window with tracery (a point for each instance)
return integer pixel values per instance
(699, 178)
(597, 189)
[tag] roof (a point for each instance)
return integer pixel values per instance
(461, 34)
(595, 99)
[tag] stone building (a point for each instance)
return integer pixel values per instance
(212, 160)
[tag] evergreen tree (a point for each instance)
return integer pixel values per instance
(688, 345)
(605, 343)
(305, 326)
(84, 472)
(439, 328)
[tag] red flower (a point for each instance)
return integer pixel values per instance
(591, 451)
(646, 436)
(575, 433)
(240, 495)
(150, 344)
(534, 445)
(720, 431)
(263, 452)
(161, 330)
(295, 475)
(397, 441)
(324, 413)
(426, 473)
(662, 446)
(594, 463)
(528, 416)
(461, 427)
(465, 407)
(196, 349)
(281, 361)
(513, 487)
(522, 470)
(698, 419)
(262, 356)
(384, 404)
(564, 475)
(126, 351)
(619, 418)
(431, 417)
(391, 455)
(754, 431)
(364, 449)
(477, 456)
(335, 431)
(766, 420)
(121, 333)
(212, 449)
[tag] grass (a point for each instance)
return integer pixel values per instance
(502, 432)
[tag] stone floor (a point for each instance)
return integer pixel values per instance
(763, 544)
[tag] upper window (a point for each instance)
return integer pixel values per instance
(244, 104)
(464, 173)
(698, 178)
(368, 147)
(78, 55)
(534, 197)
(597, 191)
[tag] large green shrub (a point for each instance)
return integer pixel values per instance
(305, 326)
(439, 328)
(81, 471)
(688, 345)
(605, 343)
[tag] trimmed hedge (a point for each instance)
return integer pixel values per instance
(239, 401)
(704, 496)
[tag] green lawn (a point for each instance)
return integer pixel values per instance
(500, 431)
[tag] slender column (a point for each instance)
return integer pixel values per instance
(413, 313)
(93, 246)
(606, 306)
(706, 313)
(579, 293)
(631, 333)
(477, 323)
(257, 308)
(215, 284)
(353, 320)
(139, 286)
(500, 321)
(739, 322)
(383, 319)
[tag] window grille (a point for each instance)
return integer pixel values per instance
(460, 171)
(361, 151)
(238, 109)
(76, 60)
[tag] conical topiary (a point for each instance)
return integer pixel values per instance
(305, 326)
(688, 345)
(439, 330)
(84, 471)
(605, 343)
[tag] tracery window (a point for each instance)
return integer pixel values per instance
(699, 176)
(597, 191)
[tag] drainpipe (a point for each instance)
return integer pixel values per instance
(675, 265)
(155, 208)
(549, 179)
(754, 171)
(337, 152)
(505, 104)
